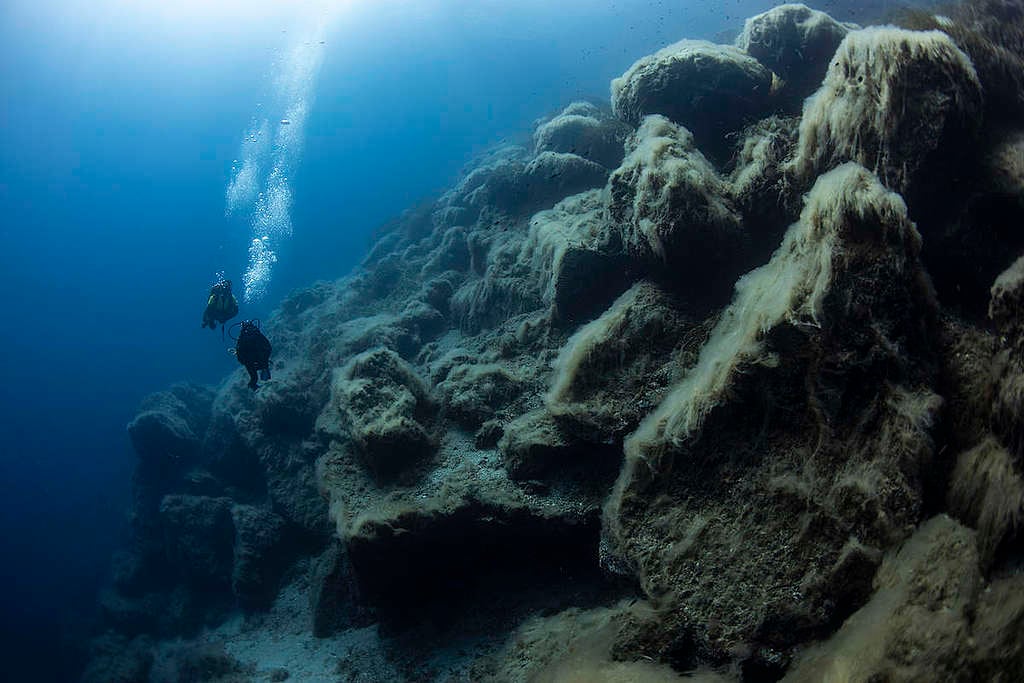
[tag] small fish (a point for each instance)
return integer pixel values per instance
(285, 122)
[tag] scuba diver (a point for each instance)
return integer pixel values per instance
(221, 306)
(252, 350)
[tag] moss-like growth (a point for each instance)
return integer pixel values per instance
(917, 625)
(1006, 307)
(697, 482)
(615, 369)
(892, 98)
(673, 209)
(474, 392)
(987, 492)
(542, 269)
(1007, 310)
(846, 204)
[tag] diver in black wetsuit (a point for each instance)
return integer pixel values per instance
(253, 351)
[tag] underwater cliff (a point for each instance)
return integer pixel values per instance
(720, 378)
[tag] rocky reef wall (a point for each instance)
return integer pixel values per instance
(723, 377)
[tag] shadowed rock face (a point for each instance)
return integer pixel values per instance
(604, 407)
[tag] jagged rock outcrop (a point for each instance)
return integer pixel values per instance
(379, 403)
(604, 381)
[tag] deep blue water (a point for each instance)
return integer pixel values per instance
(119, 128)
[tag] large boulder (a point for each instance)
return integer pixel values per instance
(382, 408)
(616, 369)
(519, 185)
(170, 425)
(905, 103)
(1007, 312)
(796, 42)
(586, 131)
(553, 176)
(711, 89)
(917, 626)
(674, 210)
(540, 452)
(755, 481)
(334, 595)
(987, 492)
(568, 263)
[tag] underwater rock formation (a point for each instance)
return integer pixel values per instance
(585, 131)
(710, 469)
(672, 209)
(895, 101)
(796, 43)
(707, 386)
(687, 81)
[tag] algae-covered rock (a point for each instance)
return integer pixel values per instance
(718, 507)
(519, 185)
(761, 185)
(534, 445)
(917, 624)
(997, 631)
(665, 388)
(553, 176)
(261, 552)
(711, 89)
(584, 130)
(334, 596)
(987, 492)
(1006, 307)
(1007, 312)
(170, 424)
(567, 263)
(615, 369)
(431, 556)
(474, 392)
(674, 210)
(901, 102)
(795, 42)
(379, 403)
